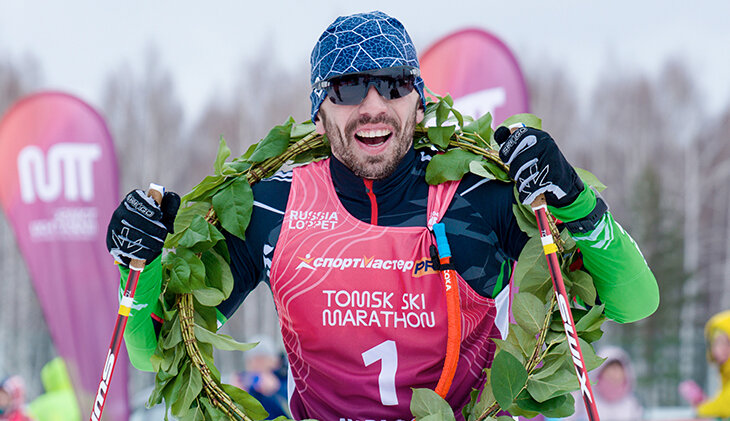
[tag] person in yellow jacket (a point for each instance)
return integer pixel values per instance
(717, 332)
(59, 401)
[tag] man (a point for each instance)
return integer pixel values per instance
(344, 243)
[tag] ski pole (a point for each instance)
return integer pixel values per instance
(539, 206)
(136, 266)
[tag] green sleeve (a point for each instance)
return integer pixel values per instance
(140, 336)
(623, 280)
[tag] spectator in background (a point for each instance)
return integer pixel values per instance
(59, 401)
(264, 377)
(717, 333)
(613, 391)
(12, 397)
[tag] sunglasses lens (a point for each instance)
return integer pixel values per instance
(393, 88)
(352, 89)
(347, 90)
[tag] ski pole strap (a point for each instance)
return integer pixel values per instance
(453, 309)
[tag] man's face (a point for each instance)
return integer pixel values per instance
(372, 137)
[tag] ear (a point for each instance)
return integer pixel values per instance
(419, 112)
(319, 123)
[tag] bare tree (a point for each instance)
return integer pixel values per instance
(25, 343)
(146, 122)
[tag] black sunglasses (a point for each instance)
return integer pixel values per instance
(351, 89)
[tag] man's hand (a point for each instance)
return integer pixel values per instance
(538, 167)
(139, 226)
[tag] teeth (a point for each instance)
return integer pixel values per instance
(373, 133)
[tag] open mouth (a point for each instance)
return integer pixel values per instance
(373, 137)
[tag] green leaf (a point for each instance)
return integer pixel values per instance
(512, 346)
(190, 389)
(223, 153)
(468, 409)
(174, 335)
(209, 296)
(557, 407)
(221, 248)
(426, 402)
(481, 126)
(183, 219)
(480, 169)
(440, 136)
(249, 152)
(210, 362)
(550, 386)
(553, 361)
(274, 144)
(200, 235)
(459, 117)
(220, 341)
(233, 207)
(583, 286)
(172, 392)
(236, 168)
(529, 312)
(197, 269)
(522, 339)
(302, 129)
(497, 170)
(177, 271)
(591, 320)
(590, 179)
(204, 189)
(592, 360)
(448, 100)
(451, 165)
(442, 112)
(526, 221)
(486, 397)
(531, 271)
(212, 411)
(529, 120)
(217, 272)
(205, 317)
(250, 405)
(508, 376)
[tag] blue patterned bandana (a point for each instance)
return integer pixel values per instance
(358, 43)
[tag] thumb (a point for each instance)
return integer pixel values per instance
(169, 207)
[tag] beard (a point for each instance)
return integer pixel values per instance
(363, 165)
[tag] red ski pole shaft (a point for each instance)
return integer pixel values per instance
(551, 249)
(136, 266)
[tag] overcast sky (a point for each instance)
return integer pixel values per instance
(78, 43)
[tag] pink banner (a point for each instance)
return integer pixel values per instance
(479, 72)
(59, 188)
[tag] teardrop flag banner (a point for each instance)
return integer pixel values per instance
(59, 188)
(480, 73)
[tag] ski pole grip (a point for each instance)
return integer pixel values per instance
(442, 244)
(155, 191)
(500, 136)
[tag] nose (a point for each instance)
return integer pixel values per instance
(374, 103)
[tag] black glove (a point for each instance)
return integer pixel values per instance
(139, 226)
(538, 167)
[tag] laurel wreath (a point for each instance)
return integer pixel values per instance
(531, 373)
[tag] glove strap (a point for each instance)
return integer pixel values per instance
(588, 223)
